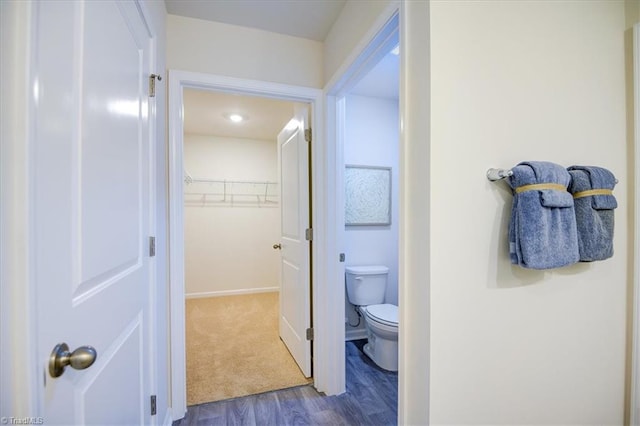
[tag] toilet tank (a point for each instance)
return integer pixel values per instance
(366, 285)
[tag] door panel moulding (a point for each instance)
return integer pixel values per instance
(179, 80)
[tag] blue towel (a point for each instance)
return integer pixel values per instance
(542, 233)
(594, 210)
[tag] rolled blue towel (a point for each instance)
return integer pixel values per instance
(542, 232)
(594, 203)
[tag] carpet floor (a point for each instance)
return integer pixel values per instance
(234, 349)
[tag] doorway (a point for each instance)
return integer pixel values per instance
(232, 210)
(371, 144)
(179, 82)
(344, 86)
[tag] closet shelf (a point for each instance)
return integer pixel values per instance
(234, 192)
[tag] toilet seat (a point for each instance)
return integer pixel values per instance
(385, 313)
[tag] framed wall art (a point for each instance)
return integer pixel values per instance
(367, 195)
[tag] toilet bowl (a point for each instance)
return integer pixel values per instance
(381, 322)
(365, 288)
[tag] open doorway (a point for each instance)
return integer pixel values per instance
(364, 107)
(371, 147)
(232, 247)
(179, 83)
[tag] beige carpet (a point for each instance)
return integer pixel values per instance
(233, 348)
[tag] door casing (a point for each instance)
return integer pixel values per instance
(325, 343)
(634, 407)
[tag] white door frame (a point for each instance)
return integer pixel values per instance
(635, 373)
(323, 309)
(381, 37)
(19, 371)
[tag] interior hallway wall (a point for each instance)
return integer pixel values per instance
(228, 246)
(371, 139)
(222, 49)
(515, 81)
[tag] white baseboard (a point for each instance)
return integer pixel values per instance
(232, 292)
(355, 334)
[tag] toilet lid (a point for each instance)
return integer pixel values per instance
(385, 314)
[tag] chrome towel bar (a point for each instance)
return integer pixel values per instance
(497, 174)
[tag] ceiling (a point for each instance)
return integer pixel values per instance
(310, 19)
(204, 114)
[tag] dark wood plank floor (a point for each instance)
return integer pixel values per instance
(371, 399)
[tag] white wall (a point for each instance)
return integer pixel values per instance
(228, 246)
(230, 50)
(371, 139)
(514, 81)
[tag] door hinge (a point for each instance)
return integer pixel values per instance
(152, 246)
(154, 408)
(308, 234)
(309, 333)
(152, 84)
(307, 134)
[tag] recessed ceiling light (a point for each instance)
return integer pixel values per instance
(396, 50)
(235, 118)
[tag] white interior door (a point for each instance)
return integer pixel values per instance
(295, 282)
(91, 208)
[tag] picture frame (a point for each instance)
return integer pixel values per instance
(367, 195)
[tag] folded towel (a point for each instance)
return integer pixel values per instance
(542, 232)
(594, 204)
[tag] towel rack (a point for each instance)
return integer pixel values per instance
(498, 174)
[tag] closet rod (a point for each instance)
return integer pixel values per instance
(190, 180)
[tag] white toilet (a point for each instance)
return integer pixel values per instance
(366, 286)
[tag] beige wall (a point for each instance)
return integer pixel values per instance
(228, 245)
(632, 12)
(229, 50)
(514, 81)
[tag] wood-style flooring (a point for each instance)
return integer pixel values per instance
(371, 399)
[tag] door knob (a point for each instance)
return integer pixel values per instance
(277, 247)
(81, 358)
